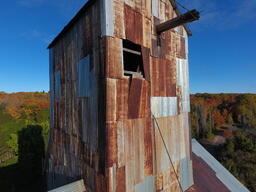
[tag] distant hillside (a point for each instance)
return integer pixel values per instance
(226, 125)
(17, 111)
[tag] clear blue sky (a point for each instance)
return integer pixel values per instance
(222, 48)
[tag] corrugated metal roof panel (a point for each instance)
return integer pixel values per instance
(221, 172)
(77, 186)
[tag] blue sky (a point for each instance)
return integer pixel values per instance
(222, 48)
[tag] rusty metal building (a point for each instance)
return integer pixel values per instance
(120, 100)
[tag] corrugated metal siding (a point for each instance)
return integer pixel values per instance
(107, 17)
(183, 83)
(103, 120)
(164, 106)
(57, 85)
(221, 172)
(77, 186)
(85, 76)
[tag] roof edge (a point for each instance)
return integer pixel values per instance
(90, 3)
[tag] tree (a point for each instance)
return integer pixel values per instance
(230, 119)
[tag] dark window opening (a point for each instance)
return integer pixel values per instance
(132, 59)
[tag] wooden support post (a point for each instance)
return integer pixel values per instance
(180, 20)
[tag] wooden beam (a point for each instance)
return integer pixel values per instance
(190, 16)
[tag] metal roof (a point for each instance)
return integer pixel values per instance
(221, 173)
(77, 186)
(88, 4)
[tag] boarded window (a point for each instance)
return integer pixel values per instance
(132, 59)
(84, 77)
(57, 85)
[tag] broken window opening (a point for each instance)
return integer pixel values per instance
(132, 59)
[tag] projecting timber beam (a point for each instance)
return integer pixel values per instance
(190, 16)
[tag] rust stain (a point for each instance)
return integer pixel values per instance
(111, 143)
(120, 187)
(113, 62)
(148, 148)
(122, 98)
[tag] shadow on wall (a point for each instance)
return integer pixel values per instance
(27, 174)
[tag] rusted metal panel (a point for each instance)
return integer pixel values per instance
(131, 3)
(129, 155)
(135, 98)
(138, 6)
(114, 58)
(183, 82)
(148, 148)
(163, 77)
(159, 182)
(187, 136)
(162, 8)
(129, 23)
(155, 90)
(111, 106)
(133, 25)
(146, 62)
(182, 48)
(121, 179)
(164, 106)
(122, 98)
(146, 8)
(218, 175)
(170, 78)
(111, 178)
(139, 149)
(146, 32)
(119, 27)
(111, 144)
(100, 183)
(147, 185)
(120, 144)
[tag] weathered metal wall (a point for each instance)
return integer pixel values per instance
(77, 106)
(104, 125)
(136, 157)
